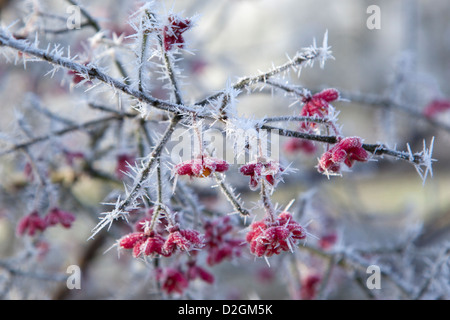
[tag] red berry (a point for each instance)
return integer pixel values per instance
(267, 238)
(346, 151)
(30, 224)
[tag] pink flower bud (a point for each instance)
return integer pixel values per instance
(184, 169)
(153, 246)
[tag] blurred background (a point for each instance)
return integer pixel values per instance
(407, 61)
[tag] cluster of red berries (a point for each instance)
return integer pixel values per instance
(204, 166)
(270, 171)
(201, 167)
(153, 244)
(34, 222)
(219, 241)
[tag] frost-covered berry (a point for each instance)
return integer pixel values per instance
(201, 167)
(130, 240)
(267, 237)
(183, 240)
(435, 107)
(346, 151)
(194, 272)
(78, 77)
(219, 243)
(143, 244)
(30, 224)
(173, 32)
(153, 246)
(123, 162)
(328, 240)
(295, 145)
(329, 95)
(261, 169)
(57, 216)
(172, 280)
